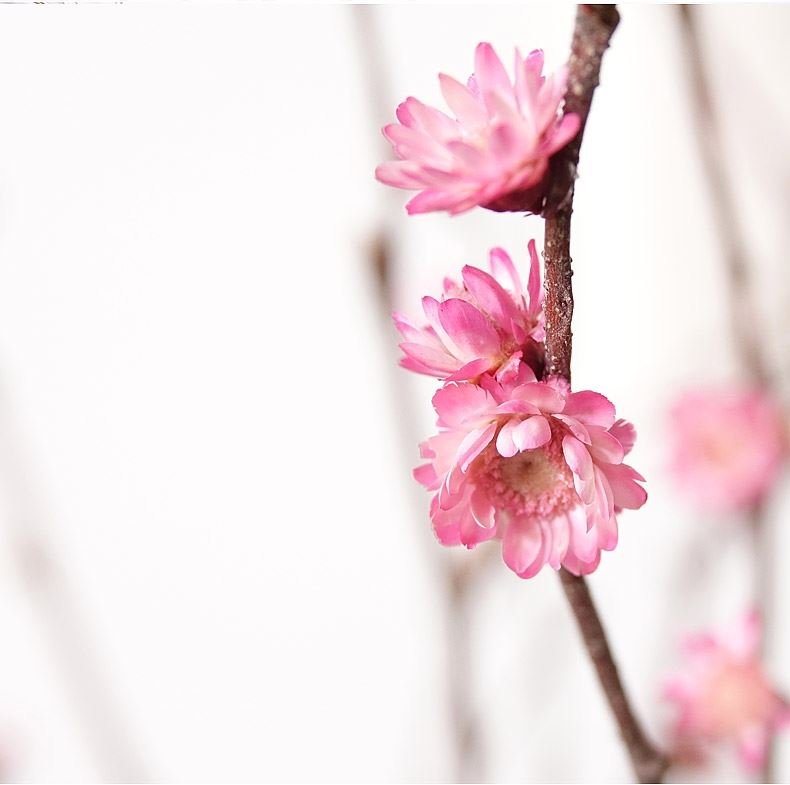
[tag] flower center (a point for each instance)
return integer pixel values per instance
(719, 449)
(529, 473)
(531, 483)
(736, 696)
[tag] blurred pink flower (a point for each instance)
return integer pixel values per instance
(495, 153)
(532, 464)
(723, 695)
(728, 446)
(478, 324)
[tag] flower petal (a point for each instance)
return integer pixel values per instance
(505, 444)
(544, 396)
(524, 548)
(531, 433)
(469, 111)
(470, 370)
(504, 270)
(604, 447)
(434, 199)
(626, 492)
(583, 543)
(591, 408)
(560, 540)
(474, 443)
(490, 296)
(469, 330)
(490, 74)
(460, 404)
(439, 361)
(625, 433)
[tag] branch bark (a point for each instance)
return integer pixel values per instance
(594, 27)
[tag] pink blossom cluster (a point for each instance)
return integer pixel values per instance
(516, 458)
(723, 695)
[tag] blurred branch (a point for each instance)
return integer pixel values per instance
(456, 578)
(594, 27)
(375, 71)
(60, 616)
(744, 320)
(744, 310)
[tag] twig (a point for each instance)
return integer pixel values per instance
(649, 764)
(594, 27)
(743, 307)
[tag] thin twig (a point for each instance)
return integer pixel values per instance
(649, 764)
(744, 311)
(594, 27)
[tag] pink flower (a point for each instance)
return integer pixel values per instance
(495, 153)
(479, 324)
(532, 464)
(723, 695)
(729, 445)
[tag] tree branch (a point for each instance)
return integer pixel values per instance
(649, 764)
(594, 27)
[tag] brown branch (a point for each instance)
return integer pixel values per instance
(594, 27)
(649, 764)
(742, 299)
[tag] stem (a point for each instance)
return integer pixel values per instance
(649, 765)
(594, 27)
(743, 306)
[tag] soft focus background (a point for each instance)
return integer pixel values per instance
(214, 564)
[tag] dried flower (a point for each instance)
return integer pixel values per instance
(723, 694)
(495, 153)
(532, 464)
(479, 324)
(728, 446)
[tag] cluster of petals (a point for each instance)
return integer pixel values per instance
(480, 324)
(722, 695)
(728, 446)
(532, 464)
(495, 151)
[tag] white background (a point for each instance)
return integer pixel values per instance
(202, 425)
